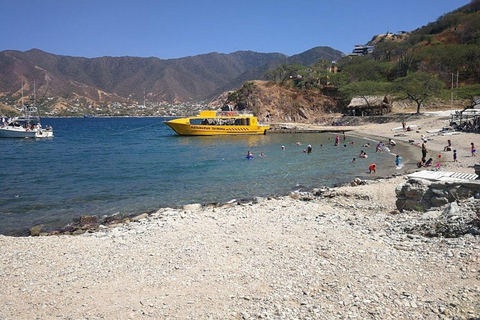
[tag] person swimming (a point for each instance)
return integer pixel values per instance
(249, 155)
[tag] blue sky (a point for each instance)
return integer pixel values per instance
(178, 28)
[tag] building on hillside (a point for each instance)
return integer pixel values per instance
(369, 106)
(361, 50)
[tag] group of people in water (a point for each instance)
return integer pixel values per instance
(372, 168)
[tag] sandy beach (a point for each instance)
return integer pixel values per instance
(345, 255)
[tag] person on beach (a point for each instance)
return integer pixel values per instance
(421, 163)
(398, 160)
(391, 143)
(448, 147)
(372, 168)
(404, 125)
(424, 149)
(429, 162)
(472, 149)
(454, 155)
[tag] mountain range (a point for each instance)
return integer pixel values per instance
(132, 79)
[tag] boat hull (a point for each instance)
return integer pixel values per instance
(20, 132)
(186, 129)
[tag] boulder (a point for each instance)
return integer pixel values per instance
(415, 188)
(35, 231)
(88, 220)
(476, 167)
(192, 207)
(451, 210)
(140, 217)
(438, 201)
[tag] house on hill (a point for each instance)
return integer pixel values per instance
(369, 106)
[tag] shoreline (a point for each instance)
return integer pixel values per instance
(87, 223)
(344, 254)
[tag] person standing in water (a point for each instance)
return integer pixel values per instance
(398, 160)
(424, 149)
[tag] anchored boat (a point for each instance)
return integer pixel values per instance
(26, 126)
(211, 122)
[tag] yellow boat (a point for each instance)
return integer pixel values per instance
(210, 123)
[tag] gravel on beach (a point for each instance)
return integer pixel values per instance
(347, 254)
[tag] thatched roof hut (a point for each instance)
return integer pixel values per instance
(369, 106)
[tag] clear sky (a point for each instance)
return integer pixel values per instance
(178, 28)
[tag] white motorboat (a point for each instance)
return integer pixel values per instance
(26, 126)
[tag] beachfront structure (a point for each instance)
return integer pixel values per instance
(369, 106)
(467, 119)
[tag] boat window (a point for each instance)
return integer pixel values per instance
(197, 121)
(243, 121)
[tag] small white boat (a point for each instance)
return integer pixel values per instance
(26, 126)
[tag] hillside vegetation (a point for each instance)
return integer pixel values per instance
(428, 66)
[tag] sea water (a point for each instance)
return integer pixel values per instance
(125, 166)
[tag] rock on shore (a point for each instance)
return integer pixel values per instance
(344, 256)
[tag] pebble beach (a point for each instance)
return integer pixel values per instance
(347, 254)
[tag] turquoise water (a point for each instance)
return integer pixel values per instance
(108, 166)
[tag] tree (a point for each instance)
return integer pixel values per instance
(418, 87)
(284, 72)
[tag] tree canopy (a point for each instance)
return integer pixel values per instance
(418, 87)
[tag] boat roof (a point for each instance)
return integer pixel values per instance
(214, 113)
